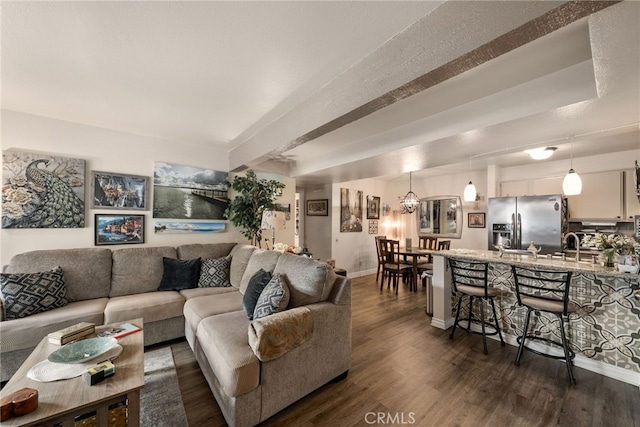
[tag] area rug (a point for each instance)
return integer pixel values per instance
(160, 402)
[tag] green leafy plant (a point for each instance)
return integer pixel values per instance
(252, 197)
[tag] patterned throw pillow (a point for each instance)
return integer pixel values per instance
(179, 274)
(214, 273)
(256, 284)
(30, 293)
(273, 299)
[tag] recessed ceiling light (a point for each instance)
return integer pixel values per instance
(541, 153)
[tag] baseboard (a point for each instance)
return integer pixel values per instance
(361, 273)
(602, 368)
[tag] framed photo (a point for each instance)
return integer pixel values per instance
(283, 207)
(476, 220)
(118, 229)
(373, 207)
(318, 207)
(351, 210)
(118, 191)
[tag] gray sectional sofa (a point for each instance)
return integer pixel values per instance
(255, 368)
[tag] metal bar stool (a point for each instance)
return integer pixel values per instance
(546, 291)
(470, 280)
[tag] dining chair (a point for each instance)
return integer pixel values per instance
(444, 245)
(427, 242)
(393, 266)
(378, 239)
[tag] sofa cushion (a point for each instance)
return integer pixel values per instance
(151, 306)
(27, 332)
(25, 294)
(87, 271)
(273, 299)
(196, 309)
(138, 270)
(198, 292)
(256, 285)
(179, 274)
(309, 281)
(240, 256)
(260, 259)
(214, 273)
(224, 341)
(272, 336)
(204, 250)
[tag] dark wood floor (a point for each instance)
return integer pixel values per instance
(410, 373)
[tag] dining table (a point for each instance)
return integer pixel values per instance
(415, 253)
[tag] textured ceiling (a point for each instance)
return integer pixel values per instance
(318, 90)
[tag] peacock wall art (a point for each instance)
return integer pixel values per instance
(42, 191)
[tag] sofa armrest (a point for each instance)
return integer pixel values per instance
(272, 336)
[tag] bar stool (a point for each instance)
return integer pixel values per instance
(546, 291)
(470, 280)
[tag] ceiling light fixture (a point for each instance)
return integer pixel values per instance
(470, 192)
(410, 201)
(572, 184)
(541, 153)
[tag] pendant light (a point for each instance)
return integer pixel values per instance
(410, 201)
(572, 184)
(470, 192)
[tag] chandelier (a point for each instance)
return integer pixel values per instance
(410, 201)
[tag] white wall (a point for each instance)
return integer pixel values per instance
(317, 229)
(110, 151)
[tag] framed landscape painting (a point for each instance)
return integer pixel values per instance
(185, 192)
(119, 191)
(350, 210)
(119, 229)
(318, 207)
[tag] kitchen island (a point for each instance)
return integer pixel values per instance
(605, 330)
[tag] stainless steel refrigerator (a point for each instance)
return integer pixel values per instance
(526, 219)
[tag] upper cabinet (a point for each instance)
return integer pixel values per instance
(631, 204)
(605, 195)
(601, 198)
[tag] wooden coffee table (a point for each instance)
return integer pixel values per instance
(114, 401)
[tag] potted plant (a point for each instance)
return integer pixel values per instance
(625, 247)
(252, 197)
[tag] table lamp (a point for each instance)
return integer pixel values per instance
(273, 220)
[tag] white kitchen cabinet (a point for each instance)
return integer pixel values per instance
(544, 186)
(601, 197)
(514, 188)
(631, 203)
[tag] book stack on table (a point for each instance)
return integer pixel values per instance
(72, 333)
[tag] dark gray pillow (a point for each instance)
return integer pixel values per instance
(30, 293)
(214, 272)
(179, 274)
(256, 284)
(273, 299)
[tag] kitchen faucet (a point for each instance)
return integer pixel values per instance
(575, 236)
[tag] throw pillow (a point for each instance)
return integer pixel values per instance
(214, 272)
(273, 299)
(179, 274)
(30, 293)
(257, 283)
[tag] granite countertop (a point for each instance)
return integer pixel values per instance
(542, 262)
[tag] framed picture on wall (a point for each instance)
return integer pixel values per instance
(476, 220)
(351, 210)
(318, 207)
(373, 207)
(119, 191)
(119, 229)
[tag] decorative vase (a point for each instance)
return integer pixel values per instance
(609, 257)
